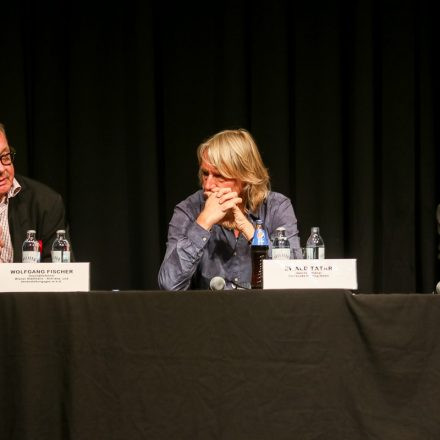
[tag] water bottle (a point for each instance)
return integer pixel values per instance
(61, 248)
(315, 248)
(30, 248)
(280, 245)
(259, 251)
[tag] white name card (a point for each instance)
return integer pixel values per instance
(44, 277)
(310, 274)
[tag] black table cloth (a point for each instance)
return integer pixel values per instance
(219, 365)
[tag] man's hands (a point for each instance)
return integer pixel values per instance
(224, 205)
(242, 224)
(219, 202)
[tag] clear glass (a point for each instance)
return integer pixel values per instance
(31, 248)
(281, 245)
(315, 248)
(60, 248)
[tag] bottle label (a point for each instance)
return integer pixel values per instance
(260, 238)
(60, 256)
(315, 253)
(280, 253)
(31, 257)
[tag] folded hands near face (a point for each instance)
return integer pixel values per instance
(225, 207)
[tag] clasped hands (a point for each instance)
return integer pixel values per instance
(224, 206)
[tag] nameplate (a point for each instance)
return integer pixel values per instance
(44, 277)
(310, 274)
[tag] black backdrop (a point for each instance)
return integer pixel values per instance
(107, 104)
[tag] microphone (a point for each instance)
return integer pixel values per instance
(217, 283)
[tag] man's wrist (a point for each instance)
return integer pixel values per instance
(248, 231)
(203, 222)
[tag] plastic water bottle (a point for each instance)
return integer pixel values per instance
(61, 248)
(259, 251)
(280, 245)
(315, 248)
(31, 248)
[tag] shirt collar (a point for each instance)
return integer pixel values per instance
(13, 191)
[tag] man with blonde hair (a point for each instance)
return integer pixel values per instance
(209, 234)
(25, 204)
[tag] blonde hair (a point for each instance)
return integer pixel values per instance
(235, 154)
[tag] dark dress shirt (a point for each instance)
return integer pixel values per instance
(194, 255)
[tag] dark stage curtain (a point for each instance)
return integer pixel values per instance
(107, 105)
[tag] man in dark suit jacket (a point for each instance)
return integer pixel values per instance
(25, 204)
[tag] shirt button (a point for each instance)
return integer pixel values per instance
(204, 238)
(235, 253)
(236, 280)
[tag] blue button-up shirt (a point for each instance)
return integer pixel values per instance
(194, 255)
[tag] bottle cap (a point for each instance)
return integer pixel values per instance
(61, 231)
(315, 230)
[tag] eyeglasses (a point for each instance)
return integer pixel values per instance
(8, 158)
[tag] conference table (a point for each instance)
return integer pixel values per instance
(281, 364)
